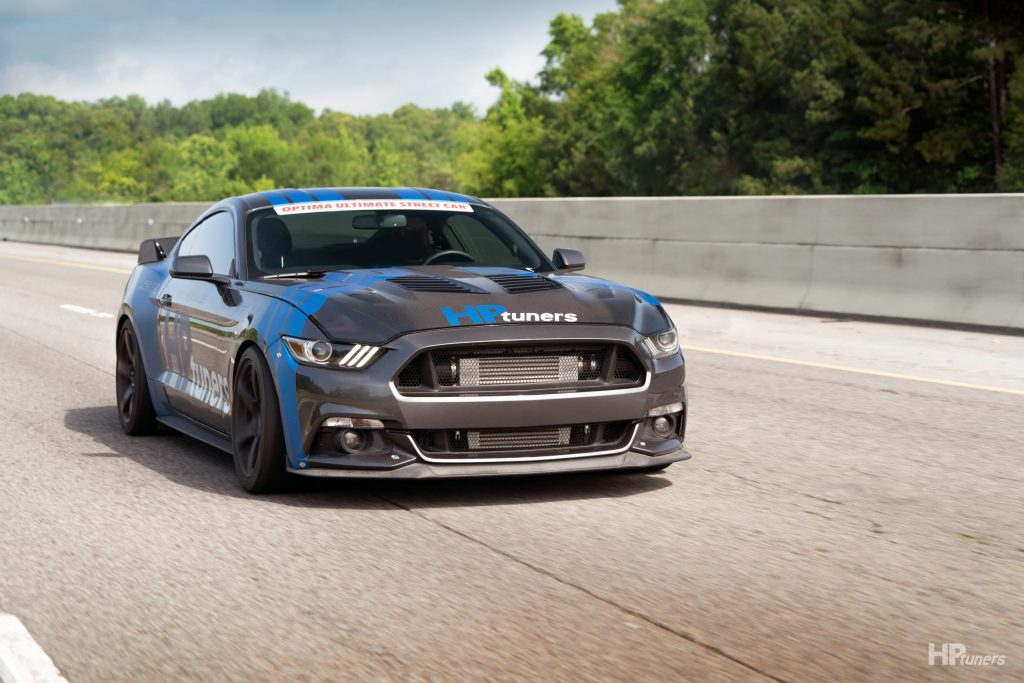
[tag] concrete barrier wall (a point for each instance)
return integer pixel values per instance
(950, 258)
(98, 227)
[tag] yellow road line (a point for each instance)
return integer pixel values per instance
(858, 371)
(70, 264)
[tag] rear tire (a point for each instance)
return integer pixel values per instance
(257, 438)
(134, 406)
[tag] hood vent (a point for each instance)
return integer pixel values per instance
(517, 284)
(427, 283)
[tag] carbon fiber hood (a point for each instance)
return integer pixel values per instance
(375, 306)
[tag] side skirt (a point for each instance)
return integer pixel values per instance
(197, 431)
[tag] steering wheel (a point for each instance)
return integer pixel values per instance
(447, 252)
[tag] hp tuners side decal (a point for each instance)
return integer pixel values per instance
(209, 387)
(488, 314)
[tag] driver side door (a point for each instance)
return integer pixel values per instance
(198, 325)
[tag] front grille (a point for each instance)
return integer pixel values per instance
(463, 443)
(495, 368)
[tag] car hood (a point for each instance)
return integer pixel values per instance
(377, 305)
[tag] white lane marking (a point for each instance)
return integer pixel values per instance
(21, 658)
(86, 311)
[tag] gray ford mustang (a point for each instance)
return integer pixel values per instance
(392, 332)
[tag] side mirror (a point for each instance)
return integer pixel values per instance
(195, 267)
(569, 259)
(155, 250)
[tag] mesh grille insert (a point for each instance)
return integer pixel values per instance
(411, 375)
(627, 367)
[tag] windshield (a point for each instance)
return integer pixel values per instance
(328, 240)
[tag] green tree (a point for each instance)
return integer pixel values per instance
(515, 143)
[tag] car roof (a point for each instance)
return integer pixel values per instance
(292, 195)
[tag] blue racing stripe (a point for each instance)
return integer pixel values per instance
(298, 196)
(275, 198)
(436, 195)
(325, 194)
(409, 193)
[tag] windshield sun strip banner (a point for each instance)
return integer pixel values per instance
(371, 205)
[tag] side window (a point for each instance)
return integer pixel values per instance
(215, 238)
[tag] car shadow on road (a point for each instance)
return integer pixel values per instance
(188, 462)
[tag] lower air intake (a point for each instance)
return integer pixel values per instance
(536, 438)
(463, 444)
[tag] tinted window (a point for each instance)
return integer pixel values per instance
(338, 240)
(215, 238)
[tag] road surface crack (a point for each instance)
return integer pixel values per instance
(689, 637)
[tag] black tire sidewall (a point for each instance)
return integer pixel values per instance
(141, 417)
(269, 472)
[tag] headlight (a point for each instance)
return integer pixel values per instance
(325, 354)
(662, 345)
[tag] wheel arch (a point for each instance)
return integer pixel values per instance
(246, 344)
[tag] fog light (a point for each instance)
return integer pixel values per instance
(350, 441)
(664, 426)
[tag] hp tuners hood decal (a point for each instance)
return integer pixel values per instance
(373, 306)
(488, 314)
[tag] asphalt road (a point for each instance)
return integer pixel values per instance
(830, 525)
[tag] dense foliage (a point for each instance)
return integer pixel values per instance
(662, 97)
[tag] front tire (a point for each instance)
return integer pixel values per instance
(257, 438)
(134, 406)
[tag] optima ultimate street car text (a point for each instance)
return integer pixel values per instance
(358, 332)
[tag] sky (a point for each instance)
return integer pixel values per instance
(357, 57)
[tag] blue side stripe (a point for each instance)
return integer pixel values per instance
(409, 193)
(325, 194)
(275, 198)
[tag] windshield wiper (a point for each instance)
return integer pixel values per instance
(309, 274)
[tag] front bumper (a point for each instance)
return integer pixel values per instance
(309, 395)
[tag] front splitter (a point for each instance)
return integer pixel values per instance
(421, 470)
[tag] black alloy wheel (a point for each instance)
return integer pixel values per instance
(134, 407)
(257, 438)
